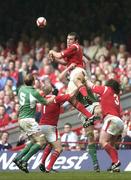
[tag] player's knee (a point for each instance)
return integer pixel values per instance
(90, 135)
(78, 78)
(39, 139)
(102, 142)
(42, 139)
(59, 149)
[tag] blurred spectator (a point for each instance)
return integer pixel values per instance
(13, 71)
(7, 104)
(22, 72)
(97, 49)
(4, 144)
(38, 58)
(126, 136)
(5, 77)
(4, 117)
(69, 139)
(83, 139)
(15, 112)
(31, 65)
(121, 51)
(125, 87)
(113, 60)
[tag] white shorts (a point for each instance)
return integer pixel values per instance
(71, 85)
(113, 125)
(29, 126)
(51, 133)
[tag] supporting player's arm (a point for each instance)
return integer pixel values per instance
(43, 100)
(64, 73)
(96, 89)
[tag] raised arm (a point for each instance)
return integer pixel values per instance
(57, 57)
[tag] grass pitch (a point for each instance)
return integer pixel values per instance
(75, 175)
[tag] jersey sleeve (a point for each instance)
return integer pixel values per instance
(39, 98)
(62, 98)
(99, 89)
(70, 51)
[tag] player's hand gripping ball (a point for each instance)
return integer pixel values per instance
(41, 22)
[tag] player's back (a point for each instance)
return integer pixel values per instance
(27, 102)
(110, 102)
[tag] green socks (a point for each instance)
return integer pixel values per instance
(33, 150)
(92, 152)
(24, 151)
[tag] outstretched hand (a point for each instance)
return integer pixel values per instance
(51, 56)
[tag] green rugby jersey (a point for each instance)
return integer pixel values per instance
(28, 97)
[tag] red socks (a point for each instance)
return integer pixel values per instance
(46, 152)
(83, 91)
(53, 158)
(112, 152)
(80, 107)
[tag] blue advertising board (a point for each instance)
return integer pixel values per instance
(68, 161)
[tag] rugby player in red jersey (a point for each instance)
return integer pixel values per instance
(48, 124)
(73, 55)
(112, 123)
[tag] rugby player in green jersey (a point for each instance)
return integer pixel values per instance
(28, 97)
(94, 108)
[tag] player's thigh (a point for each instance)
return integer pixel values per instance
(38, 138)
(51, 133)
(78, 74)
(29, 125)
(113, 125)
(71, 87)
(105, 137)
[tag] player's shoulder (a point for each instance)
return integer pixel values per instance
(75, 45)
(22, 88)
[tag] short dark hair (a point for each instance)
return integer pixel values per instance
(115, 85)
(29, 80)
(68, 124)
(75, 35)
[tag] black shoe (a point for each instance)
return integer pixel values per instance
(90, 121)
(115, 165)
(42, 167)
(24, 167)
(96, 168)
(17, 163)
(117, 169)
